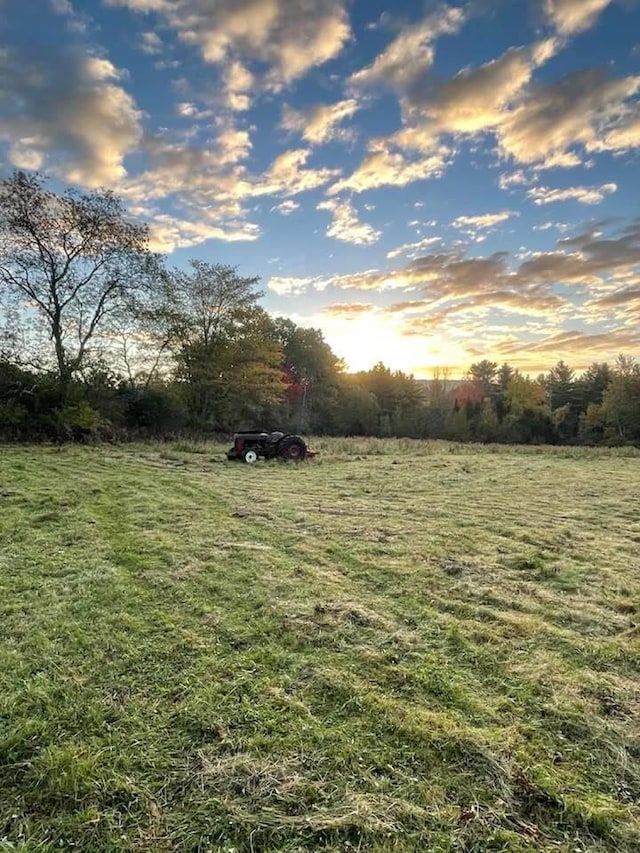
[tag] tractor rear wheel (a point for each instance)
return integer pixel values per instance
(292, 448)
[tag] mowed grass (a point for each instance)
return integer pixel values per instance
(399, 646)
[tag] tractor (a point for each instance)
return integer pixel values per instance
(250, 446)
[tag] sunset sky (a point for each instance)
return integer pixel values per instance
(428, 183)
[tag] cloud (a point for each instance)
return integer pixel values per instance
(531, 305)
(475, 99)
(208, 189)
(26, 153)
(286, 208)
(189, 110)
(513, 179)
(168, 233)
(346, 226)
(349, 309)
(455, 295)
(439, 275)
(585, 108)
(238, 84)
(204, 174)
(214, 176)
(592, 259)
(623, 303)
(547, 226)
(233, 144)
(141, 5)
(61, 7)
(75, 23)
(624, 137)
(288, 175)
(291, 37)
(403, 63)
(151, 43)
(574, 16)
(290, 286)
(494, 306)
(559, 160)
(373, 280)
(320, 123)
(68, 111)
(383, 167)
(624, 297)
(585, 195)
(484, 220)
(413, 249)
(564, 345)
(545, 126)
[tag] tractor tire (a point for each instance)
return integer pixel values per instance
(249, 456)
(292, 449)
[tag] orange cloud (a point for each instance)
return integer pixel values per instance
(349, 309)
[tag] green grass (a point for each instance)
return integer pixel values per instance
(399, 646)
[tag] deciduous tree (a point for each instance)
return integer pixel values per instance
(311, 371)
(70, 260)
(223, 343)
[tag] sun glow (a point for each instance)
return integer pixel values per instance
(364, 340)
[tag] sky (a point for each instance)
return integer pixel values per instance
(428, 183)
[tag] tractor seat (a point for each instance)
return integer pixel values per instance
(274, 437)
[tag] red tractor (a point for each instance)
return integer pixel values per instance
(250, 446)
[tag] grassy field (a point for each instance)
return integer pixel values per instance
(400, 646)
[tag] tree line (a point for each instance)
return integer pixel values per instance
(100, 339)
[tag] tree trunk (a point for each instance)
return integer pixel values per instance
(64, 373)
